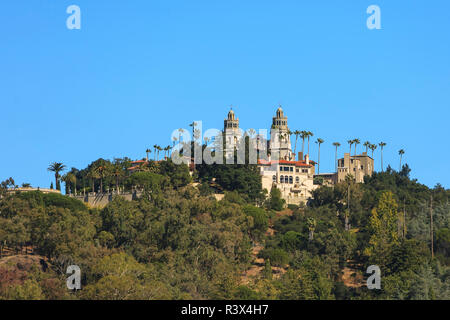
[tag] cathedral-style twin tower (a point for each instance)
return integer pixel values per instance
(279, 145)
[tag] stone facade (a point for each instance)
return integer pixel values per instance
(358, 166)
(232, 133)
(280, 139)
(293, 178)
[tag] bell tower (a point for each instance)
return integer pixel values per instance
(232, 133)
(280, 139)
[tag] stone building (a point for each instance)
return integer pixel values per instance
(280, 139)
(295, 179)
(357, 165)
(232, 134)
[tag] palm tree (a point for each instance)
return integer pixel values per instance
(303, 135)
(311, 228)
(356, 142)
(158, 149)
(57, 168)
(92, 175)
(296, 133)
(290, 133)
(350, 143)
(148, 151)
(373, 147)
(174, 140)
(166, 151)
(193, 124)
(180, 131)
(155, 147)
(319, 141)
(367, 145)
(401, 152)
(337, 145)
(382, 145)
(309, 135)
(70, 178)
(117, 172)
(101, 173)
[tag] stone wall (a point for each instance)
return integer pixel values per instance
(100, 200)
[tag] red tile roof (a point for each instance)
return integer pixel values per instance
(287, 162)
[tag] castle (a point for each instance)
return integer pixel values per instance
(294, 176)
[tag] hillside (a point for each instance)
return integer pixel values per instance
(178, 242)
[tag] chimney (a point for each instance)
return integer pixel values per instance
(300, 156)
(307, 159)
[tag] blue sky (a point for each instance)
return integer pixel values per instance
(139, 69)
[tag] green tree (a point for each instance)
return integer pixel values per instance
(319, 141)
(57, 168)
(382, 229)
(382, 145)
(401, 152)
(275, 201)
(337, 145)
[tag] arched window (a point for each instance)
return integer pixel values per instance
(274, 178)
(291, 180)
(281, 179)
(297, 179)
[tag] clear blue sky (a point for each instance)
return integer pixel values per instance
(139, 69)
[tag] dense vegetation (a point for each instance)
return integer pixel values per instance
(179, 242)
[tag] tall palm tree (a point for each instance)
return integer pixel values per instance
(319, 141)
(158, 149)
(70, 179)
(193, 124)
(155, 147)
(174, 140)
(166, 151)
(382, 145)
(303, 135)
(180, 132)
(367, 145)
(350, 143)
(148, 151)
(296, 133)
(57, 168)
(102, 172)
(337, 145)
(373, 147)
(118, 172)
(356, 142)
(309, 135)
(401, 152)
(92, 175)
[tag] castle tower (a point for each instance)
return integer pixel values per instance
(280, 140)
(231, 133)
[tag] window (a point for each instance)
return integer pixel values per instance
(274, 178)
(297, 179)
(305, 170)
(297, 170)
(291, 180)
(281, 179)
(291, 169)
